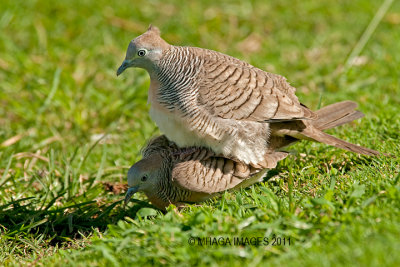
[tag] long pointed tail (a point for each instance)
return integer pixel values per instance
(328, 117)
(320, 136)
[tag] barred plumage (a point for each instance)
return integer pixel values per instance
(177, 176)
(204, 98)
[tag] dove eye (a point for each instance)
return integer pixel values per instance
(141, 52)
(144, 178)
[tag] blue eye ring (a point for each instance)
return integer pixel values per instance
(141, 52)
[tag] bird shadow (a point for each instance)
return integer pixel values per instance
(22, 217)
(343, 165)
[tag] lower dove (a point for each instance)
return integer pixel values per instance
(168, 174)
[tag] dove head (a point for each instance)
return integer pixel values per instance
(146, 174)
(144, 51)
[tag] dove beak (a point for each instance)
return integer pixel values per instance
(131, 190)
(125, 64)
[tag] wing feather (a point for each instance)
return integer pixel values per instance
(213, 174)
(237, 90)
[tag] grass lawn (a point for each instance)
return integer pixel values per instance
(70, 129)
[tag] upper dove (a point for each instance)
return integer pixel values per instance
(204, 98)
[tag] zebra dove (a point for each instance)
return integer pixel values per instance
(168, 174)
(204, 98)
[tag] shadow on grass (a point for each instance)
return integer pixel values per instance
(346, 164)
(342, 164)
(71, 222)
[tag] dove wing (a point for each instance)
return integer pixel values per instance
(205, 172)
(233, 89)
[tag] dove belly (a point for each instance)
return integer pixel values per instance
(175, 129)
(244, 144)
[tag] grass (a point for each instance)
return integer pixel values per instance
(70, 129)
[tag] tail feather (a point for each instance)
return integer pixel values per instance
(332, 116)
(322, 137)
(337, 114)
(340, 121)
(328, 117)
